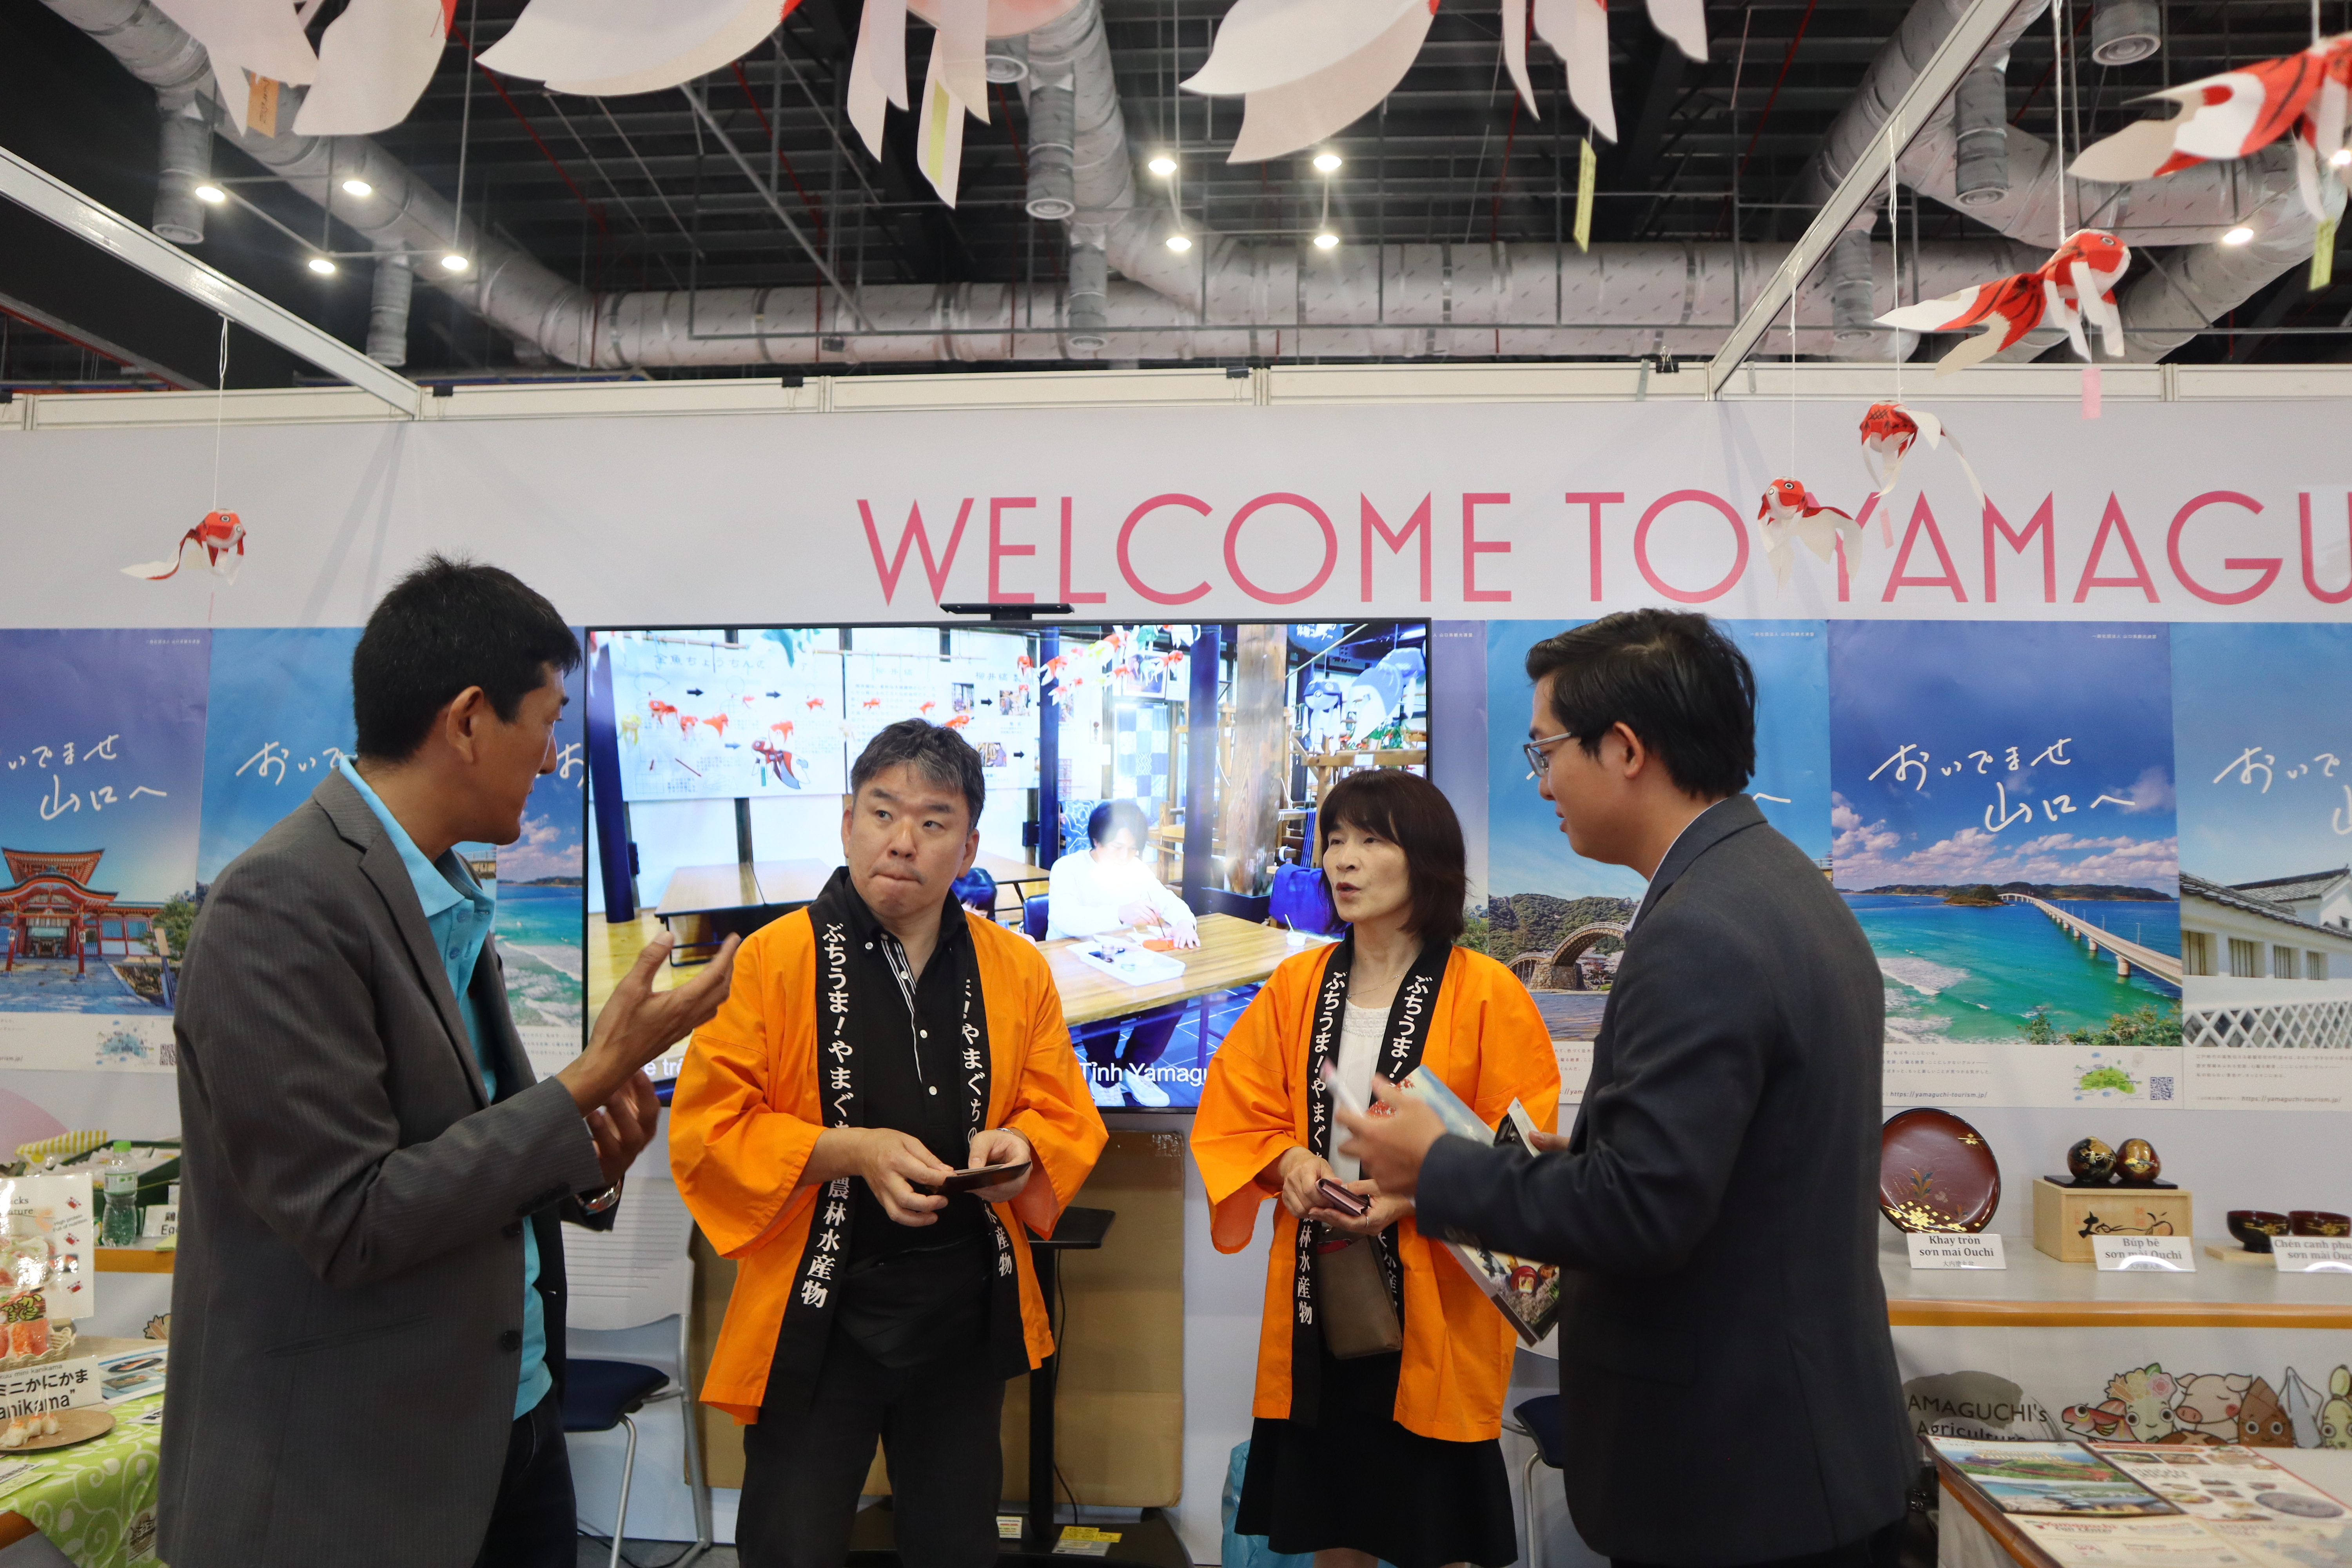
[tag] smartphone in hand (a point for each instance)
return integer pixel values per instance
(981, 1177)
(1355, 1206)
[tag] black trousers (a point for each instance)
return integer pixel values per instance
(1877, 1550)
(533, 1524)
(1147, 1035)
(804, 1469)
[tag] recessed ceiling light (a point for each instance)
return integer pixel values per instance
(453, 262)
(322, 266)
(212, 193)
(1179, 242)
(2238, 236)
(1325, 240)
(1326, 163)
(358, 187)
(1161, 165)
(2341, 157)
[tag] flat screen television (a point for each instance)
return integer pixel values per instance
(718, 759)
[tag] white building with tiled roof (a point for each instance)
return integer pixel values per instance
(2259, 973)
(2322, 898)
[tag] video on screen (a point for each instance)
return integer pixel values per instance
(1151, 806)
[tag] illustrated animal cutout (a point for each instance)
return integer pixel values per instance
(2076, 283)
(2261, 1420)
(2336, 1415)
(2236, 114)
(221, 536)
(2209, 1405)
(1791, 515)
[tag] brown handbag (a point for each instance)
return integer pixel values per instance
(1352, 1300)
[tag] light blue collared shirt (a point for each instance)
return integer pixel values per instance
(460, 915)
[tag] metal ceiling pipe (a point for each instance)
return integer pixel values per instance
(396, 285)
(1980, 134)
(1052, 197)
(2125, 32)
(187, 163)
(1090, 291)
(1851, 307)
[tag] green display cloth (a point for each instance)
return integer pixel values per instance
(96, 1501)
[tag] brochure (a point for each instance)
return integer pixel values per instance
(1526, 1292)
(2048, 1478)
(2230, 1483)
(2133, 1542)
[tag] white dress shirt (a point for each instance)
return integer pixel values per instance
(1084, 896)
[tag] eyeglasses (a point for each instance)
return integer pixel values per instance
(1539, 753)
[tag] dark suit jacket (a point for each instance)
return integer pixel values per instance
(347, 1306)
(1728, 1384)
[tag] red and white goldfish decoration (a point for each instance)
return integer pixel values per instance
(1889, 431)
(2076, 283)
(777, 758)
(221, 536)
(2240, 113)
(1790, 512)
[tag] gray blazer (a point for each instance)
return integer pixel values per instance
(1728, 1384)
(347, 1306)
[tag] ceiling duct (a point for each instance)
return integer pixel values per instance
(394, 288)
(187, 163)
(2125, 32)
(1980, 134)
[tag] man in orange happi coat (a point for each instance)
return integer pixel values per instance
(873, 1044)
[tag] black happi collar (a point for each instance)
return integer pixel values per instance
(863, 1005)
(1402, 1041)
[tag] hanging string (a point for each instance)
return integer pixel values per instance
(1895, 254)
(1792, 384)
(220, 408)
(2058, 105)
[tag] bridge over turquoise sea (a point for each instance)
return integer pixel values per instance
(2128, 955)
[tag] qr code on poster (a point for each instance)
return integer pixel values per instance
(2160, 1087)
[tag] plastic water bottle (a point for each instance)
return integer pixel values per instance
(122, 1227)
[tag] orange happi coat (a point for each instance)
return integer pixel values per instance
(1489, 1045)
(746, 1114)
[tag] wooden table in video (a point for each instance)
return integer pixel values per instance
(1233, 953)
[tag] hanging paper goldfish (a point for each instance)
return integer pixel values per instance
(221, 536)
(2078, 281)
(2240, 113)
(1889, 431)
(1790, 512)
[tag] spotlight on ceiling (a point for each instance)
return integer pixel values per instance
(455, 262)
(1179, 242)
(1326, 163)
(1161, 165)
(1325, 240)
(2341, 157)
(211, 194)
(358, 187)
(2238, 236)
(322, 266)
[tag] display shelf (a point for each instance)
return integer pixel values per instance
(144, 1258)
(2037, 1291)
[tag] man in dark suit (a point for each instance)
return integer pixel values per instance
(1728, 1383)
(367, 1356)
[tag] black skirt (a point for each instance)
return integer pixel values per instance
(1358, 1480)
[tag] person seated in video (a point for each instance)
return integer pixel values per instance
(1107, 888)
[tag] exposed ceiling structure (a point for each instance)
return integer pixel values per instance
(736, 226)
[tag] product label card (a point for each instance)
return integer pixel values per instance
(1938, 1249)
(2167, 1254)
(52, 1386)
(2312, 1254)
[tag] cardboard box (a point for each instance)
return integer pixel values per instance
(2065, 1218)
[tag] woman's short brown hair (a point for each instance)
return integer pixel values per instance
(1413, 813)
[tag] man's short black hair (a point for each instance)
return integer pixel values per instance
(1113, 817)
(1669, 676)
(446, 626)
(939, 753)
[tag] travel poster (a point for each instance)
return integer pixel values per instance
(101, 769)
(2264, 741)
(2004, 832)
(281, 718)
(542, 893)
(2048, 1477)
(1564, 916)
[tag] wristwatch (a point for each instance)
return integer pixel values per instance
(602, 1201)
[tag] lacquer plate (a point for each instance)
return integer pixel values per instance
(1936, 1173)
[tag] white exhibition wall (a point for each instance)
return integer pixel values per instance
(2232, 511)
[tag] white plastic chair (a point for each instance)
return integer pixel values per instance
(638, 1272)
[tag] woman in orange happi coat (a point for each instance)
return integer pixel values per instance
(1392, 1455)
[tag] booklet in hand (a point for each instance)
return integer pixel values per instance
(1525, 1292)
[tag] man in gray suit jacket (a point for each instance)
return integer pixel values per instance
(367, 1312)
(1728, 1382)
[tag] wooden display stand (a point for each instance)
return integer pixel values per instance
(2066, 1217)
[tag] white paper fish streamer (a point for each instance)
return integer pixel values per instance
(221, 536)
(955, 82)
(609, 48)
(1889, 431)
(2076, 283)
(264, 36)
(1791, 515)
(375, 61)
(1305, 69)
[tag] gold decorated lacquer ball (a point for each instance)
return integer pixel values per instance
(2137, 1162)
(2091, 1161)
